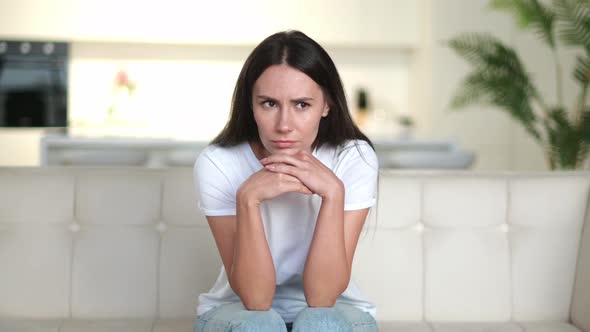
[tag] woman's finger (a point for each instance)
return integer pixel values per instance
(284, 168)
(281, 158)
(300, 188)
(285, 177)
(293, 184)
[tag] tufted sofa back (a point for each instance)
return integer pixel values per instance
(114, 243)
(468, 246)
(440, 246)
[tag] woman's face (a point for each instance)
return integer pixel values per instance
(288, 106)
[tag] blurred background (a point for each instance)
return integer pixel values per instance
(150, 82)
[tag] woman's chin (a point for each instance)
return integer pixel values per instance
(287, 151)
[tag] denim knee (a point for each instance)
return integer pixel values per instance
(259, 321)
(319, 320)
(234, 317)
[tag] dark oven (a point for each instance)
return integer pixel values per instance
(33, 83)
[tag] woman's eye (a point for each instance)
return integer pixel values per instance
(269, 104)
(302, 105)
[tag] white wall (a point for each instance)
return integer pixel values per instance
(341, 22)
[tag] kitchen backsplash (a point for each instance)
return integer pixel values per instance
(184, 91)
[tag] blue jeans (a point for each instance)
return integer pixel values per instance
(234, 317)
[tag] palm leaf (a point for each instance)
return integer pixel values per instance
(474, 46)
(530, 13)
(584, 127)
(498, 78)
(565, 140)
(467, 94)
(582, 70)
(584, 132)
(573, 22)
(488, 54)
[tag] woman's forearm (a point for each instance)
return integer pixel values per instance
(253, 273)
(327, 272)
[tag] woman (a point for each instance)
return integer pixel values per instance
(286, 188)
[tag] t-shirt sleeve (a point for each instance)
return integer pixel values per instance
(215, 194)
(358, 168)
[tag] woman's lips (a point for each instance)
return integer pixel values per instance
(283, 144)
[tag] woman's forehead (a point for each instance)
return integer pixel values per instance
(279, 80)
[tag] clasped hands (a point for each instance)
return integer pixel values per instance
(300, 172)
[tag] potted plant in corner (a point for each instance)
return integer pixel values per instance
(499, 78)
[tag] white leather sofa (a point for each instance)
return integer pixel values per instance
(126, 249)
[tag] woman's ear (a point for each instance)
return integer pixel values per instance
(326, 110)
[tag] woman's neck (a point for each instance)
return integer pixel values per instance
(259, 151)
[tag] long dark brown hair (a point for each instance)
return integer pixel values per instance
(296, 50)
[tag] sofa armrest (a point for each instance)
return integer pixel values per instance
(580, 314)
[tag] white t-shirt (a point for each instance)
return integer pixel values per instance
(289, 219)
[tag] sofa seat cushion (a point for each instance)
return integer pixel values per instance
(549, 327)
(405, 326)
(187, 325)
(517, 326)
(397, 326)
(107, 325)
(175, 325)
(77, 325)
(33, 325)
(103, 325)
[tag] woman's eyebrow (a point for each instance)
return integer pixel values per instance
(265, 97)
(292, 100)
(302, 99)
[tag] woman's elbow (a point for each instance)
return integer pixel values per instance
(325, 296)
(257, 304)
(255, 299)
(319, 301)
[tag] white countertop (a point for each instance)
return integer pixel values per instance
(163, 152)
(64, 140)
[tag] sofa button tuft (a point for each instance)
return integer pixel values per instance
(161, 227)
(74, 227)
(419, 227)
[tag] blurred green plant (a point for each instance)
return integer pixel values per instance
(499, 78)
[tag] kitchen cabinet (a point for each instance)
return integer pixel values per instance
(349, 23)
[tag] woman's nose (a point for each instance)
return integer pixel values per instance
(284, 121)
